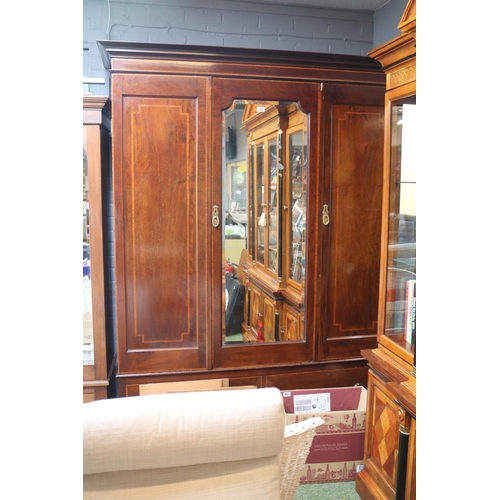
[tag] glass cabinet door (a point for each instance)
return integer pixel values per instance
(266, 202)
(260, 206)
(297, 167)
(273, 204)
(401, 277)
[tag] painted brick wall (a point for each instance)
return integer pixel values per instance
(386, 21)
(220, 23)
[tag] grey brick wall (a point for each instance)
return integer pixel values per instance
(386, 21)
(220, 23)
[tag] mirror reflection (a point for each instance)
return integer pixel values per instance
(88, 336)
(264, 240)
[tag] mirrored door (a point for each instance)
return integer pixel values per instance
(88, 333)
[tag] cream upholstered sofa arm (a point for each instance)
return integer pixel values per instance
(181, 429)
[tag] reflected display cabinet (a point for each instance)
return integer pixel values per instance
(247, 188)
(391, 420)
(277, 201)
(97, 356)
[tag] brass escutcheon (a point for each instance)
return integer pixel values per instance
(215, 216)
(326, 217)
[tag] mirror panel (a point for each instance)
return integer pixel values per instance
(88, 331)
(264, 202)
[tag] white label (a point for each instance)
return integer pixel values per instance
(261, 109)
(359, 467)
(311, 403)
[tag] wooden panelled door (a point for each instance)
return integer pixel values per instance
(353, 191)
(161, 222)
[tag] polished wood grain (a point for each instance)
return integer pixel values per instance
(293, 322)
(392, 406)
(352, 238)
(269, 307)
(256, 308)
(167, 107)
(136, 57)
(391, 393)
(307, 375)
(382, 431)
(161, 207)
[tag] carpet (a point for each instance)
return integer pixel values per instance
(344, 490)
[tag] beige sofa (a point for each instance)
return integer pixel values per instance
(195, 445)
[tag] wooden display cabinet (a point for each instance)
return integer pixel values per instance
(277, 133)
(97, 359)
(390, 439)
(310, 279)
(292, 326)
